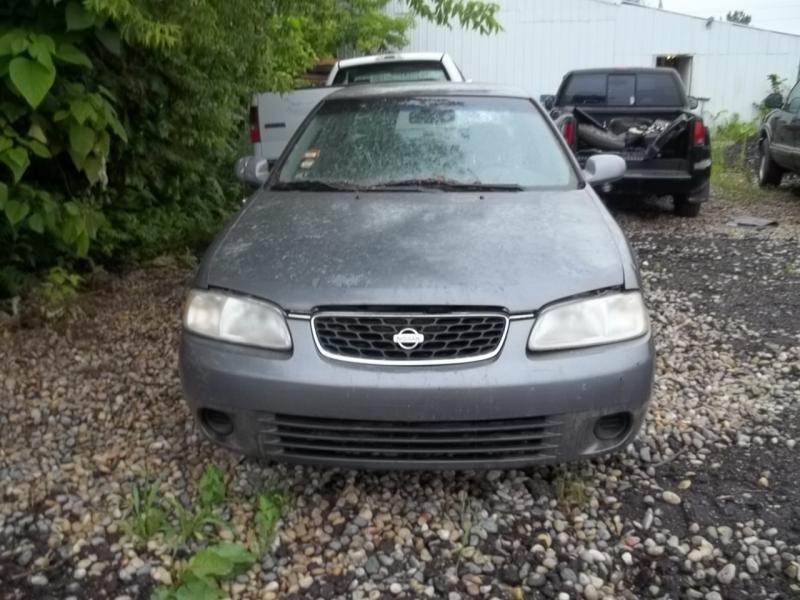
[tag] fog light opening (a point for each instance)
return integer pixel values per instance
(216, 422)
(612, 427)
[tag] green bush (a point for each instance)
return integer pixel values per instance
(731, 149)
(777, 85)
(734, 130)
(55, 138)
(120, 119)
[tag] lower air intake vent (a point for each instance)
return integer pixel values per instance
(395, 443)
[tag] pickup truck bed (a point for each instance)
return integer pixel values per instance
(666, 146)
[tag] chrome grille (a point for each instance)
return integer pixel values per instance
(445, 338)
(409, 443)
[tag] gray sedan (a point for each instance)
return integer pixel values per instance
(425, 279)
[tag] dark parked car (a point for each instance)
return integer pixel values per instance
(426, 279)
(643, 115)
(779, 138)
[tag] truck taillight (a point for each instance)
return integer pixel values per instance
(569, 132)
(255, 132)
(699, 133)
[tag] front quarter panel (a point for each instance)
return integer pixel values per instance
(628, 261)
(200, 280)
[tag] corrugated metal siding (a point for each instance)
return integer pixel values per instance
(543, 39)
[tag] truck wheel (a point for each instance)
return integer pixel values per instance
(685, 208)
(769, 173)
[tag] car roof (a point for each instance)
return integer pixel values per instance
(421, 88)
(395, 57)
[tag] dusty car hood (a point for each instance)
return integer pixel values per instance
(517, 250)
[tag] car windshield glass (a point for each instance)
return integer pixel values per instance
(422, 142)
(621, 89)
(391, 71)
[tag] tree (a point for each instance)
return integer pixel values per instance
(738, 16)
(120, 119)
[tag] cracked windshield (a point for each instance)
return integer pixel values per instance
(381, 142)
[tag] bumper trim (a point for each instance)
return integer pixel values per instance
(298, 316)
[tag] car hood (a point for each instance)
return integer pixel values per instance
(516, 250)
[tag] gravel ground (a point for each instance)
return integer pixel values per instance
(704, 505)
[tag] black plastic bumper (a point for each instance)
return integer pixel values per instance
(660, 183)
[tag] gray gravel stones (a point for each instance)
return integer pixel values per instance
(92, 406)
(671, 497)
(726, 574)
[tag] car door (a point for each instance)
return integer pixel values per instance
(785, 146)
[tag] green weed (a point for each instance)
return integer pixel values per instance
(58, 292)
(211, 487)
(203, 574)
(466, 517)
(206, 570)
(570, 491)
(192, 524)
(147, 515)
(271, 506)
(151, 515)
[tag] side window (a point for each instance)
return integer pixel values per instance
(793, 101)
(585, 89)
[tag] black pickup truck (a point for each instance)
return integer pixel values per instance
(643, 115)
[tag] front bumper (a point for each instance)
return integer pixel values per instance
(514, 410)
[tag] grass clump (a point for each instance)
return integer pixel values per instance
(188, 528)
(153, 515)
(148, 517)
(570, 491)
(732, 143)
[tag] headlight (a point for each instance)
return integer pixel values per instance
(237, 319)
(590, 322)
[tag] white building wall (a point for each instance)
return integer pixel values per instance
(543, 39)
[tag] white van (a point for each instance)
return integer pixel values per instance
(275, 117)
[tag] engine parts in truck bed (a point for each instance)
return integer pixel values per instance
(631, 133)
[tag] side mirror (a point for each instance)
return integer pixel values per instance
(604, 168)
(773, 101)
(693, 103)
(252, 170)
(547, 100)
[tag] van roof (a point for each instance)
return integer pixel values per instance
(391, 57)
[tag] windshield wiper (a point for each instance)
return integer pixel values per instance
(314, 185)
(446, 185)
